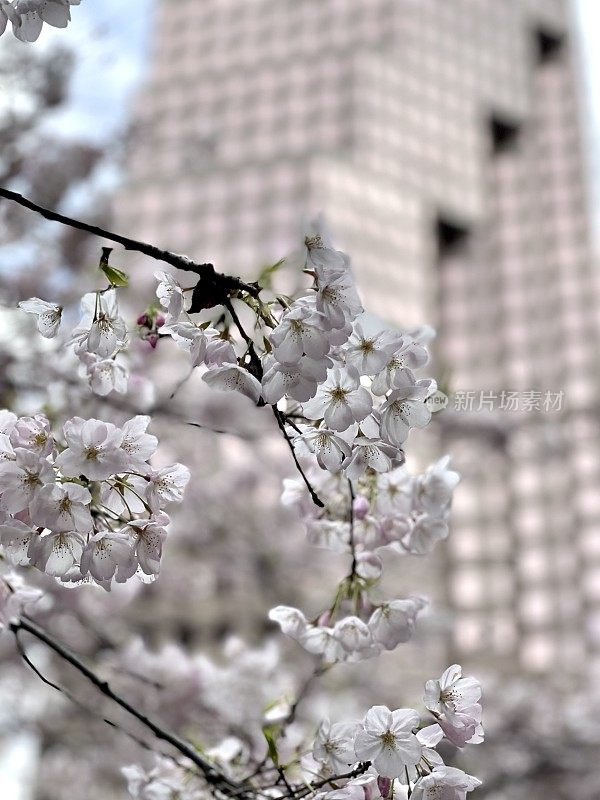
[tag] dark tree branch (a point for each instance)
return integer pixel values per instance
(352, 542)
(280, 421)
(354, 773)
(140, 742)
(212, 776)
(209, 279)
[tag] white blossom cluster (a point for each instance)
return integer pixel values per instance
(28, 16)
(87, 505)
(395, 512)
(165, 781)
(345, 392)
(352, 379)
(354, 396)
(98, 341)
(384, 754)
(398, 748)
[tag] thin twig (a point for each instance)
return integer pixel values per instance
(255, 362)
(226, 282)
(82, 706)
(359, 770)
(318, 671)
(314, 496)
(210, 773)
(352, 542)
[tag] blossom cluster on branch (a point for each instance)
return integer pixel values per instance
(84, 505)
(344, 390)
(28, 16)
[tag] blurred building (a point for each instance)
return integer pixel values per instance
(441, 138)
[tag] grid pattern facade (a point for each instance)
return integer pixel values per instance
(441, 138)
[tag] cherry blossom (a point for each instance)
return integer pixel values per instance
(330, 534)
(329, 448)
(139, 445)
(16, 538)
(317, 250)
(340, 400)
(231, 377)
(452, 692)
(371, 454)
(86, 507)
(101, 330)
(194, 340)
(166, 485)
(63, 507)
(107, 553)
(57, 552)
(424, 533)
(302, 330)
(298, 380)
(170, 295)
(106, 376)
(410, 355)
(148, 536)
(7, 14)
(21, 480)
(334, 745)
(28, 16)
(337, 297)
(15, 595)
(394, 621)
(402, 410)
(444, 783)
(48, 315)
(369, 353)
(386, 738)
(33, 434)
(464, 726)
(353, 634)
(291, 621)
(435, 487)
(93, 449)
(454, 700)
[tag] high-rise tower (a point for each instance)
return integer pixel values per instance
(441, 138)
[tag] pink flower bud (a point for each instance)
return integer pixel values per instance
(365, 605)
(144, 320)
(384, 785)
(153, 339)
(159, 321)
(369, 566)
(360, 506)
(324, 619)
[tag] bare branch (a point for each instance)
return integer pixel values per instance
(212, 776)
(280, 421)
(206, 272)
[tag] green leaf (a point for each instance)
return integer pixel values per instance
(266, 274)
(116, 277)
(270, 733)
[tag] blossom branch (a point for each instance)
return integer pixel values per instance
(352, 542)
(23, 653)
(314, 496)
(225, 283)
(210, 773)
(354, 773)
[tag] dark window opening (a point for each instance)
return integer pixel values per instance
(452, 235)
(548, 45)
(504, 133)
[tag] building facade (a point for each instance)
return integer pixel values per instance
(442, 140)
